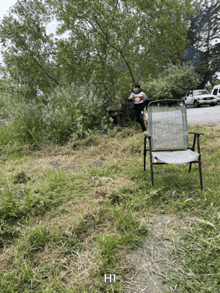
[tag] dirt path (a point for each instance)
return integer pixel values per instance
(156, 257)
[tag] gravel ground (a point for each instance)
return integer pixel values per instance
(204, 115)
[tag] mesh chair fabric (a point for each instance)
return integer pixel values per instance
(168, 127)
(180, 157)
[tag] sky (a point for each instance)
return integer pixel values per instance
(4, 10)
(5, 5)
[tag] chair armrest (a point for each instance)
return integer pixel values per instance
(196, 135)
(199, 133)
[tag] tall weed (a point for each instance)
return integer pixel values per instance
(69, 114)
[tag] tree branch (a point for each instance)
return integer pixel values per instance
(32, 55)
(104, 35)
(138, 78)
(112, 17)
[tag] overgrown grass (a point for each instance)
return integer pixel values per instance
(66, 115)
(62, 231)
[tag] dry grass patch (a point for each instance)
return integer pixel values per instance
(158, 256)
(86, 153)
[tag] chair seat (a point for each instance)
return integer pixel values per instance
(177, 157)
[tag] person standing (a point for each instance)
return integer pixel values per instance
(139, 98)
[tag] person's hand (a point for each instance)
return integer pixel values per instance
(129, 98)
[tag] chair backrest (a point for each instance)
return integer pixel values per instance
(167, 126)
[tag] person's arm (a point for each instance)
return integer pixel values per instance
(131, 97)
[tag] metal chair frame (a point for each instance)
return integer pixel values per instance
(196, 138)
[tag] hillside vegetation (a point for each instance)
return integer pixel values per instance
(75, 203)
(72, 213)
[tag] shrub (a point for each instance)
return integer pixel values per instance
(174, 82)
(67, 114)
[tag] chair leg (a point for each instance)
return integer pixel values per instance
(152, 174)
(190, 164)
(144, 153)
(200, 172)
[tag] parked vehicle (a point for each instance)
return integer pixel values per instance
(200, 97)
(216, 92)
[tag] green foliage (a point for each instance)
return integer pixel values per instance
(204, 27)
(69, 114)
(174, 82)
(28, 58)
(108, 44)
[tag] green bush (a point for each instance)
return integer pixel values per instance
(174, 82)
(69, 113)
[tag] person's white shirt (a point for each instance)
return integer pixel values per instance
(138, 98)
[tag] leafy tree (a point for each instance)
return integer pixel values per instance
(111, 43)
(173, 83)
(124, 40)
(204, 35)
(29, 51)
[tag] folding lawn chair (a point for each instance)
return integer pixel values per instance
(168, 137)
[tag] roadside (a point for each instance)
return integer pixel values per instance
(204, 115)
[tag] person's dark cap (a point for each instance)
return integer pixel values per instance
(136, 85)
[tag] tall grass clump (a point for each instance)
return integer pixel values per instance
(37, 239)
(68, 113)
(199, 255)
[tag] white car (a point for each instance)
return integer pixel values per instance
(216, 92)
(200, 97)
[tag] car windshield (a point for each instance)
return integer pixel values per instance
(201, 92)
